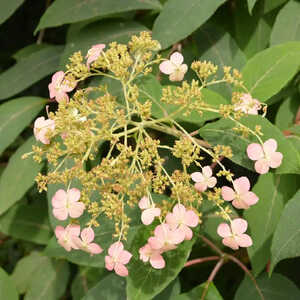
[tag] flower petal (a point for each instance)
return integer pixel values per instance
(255, 151)
(87, 235)
(250, 198)
(207, 171)
(241, 185)
(109, 263)
(228, 193)
(121, 270)
(201, 186)
(115, 249)
(144, 203)
(59, 232)
(224, 230)
(177, 75)
(230, 242)
(262, 166)
(76, 209)
(157, 261)
(270, 146)
(60, 213)
(176, 58)
(211, 182)
(275, 159)
(244, 240)
(73, 195)
(167, 67)
(197, 177)
(94, 248)
(73, 230)
(59, 199)
(191, 218)
(239, 226)
(124, 257)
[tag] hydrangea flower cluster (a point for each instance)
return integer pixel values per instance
(132, 173)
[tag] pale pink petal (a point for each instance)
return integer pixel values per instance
(183, 69)
(60, 213)
(275, 159)
(197, 177)
(179, 211)
(124, 257)
(147, 216)
(239, 226)
(73, 195)
(167, 67)
(241, 185)
(177, 75)
(76, 209)
(145, 252)
(224, 230)
(176, 58)
(115, 249)
(244, 240)
(52, 91)
(191, 218)
(207, 171)
(87, 235)
(262, 166)
(61, 96)
(121, 270)
(250, 198)
(211, 182)
(59, 232)
(230, 242)
(75, 242)
(144, 203)
(155, 243)
(201, 186)
(157, 261)
(188, 233)
(240, 203)
(65, 244)
(171, 220)
(73, 229)
(109, 263)
(270, 146)
(228, 193)
(58, 77)
(177, 236)
(255, 151)
(59, 199)
(94, 248)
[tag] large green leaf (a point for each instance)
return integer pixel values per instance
(277, 287)
(15, 115)
(264, 216)
(49, 281)
(286, 113)
(170, 292)
(269, 5)
(195, 293)
(71, 11)
(141, 274)
(28, 71)
(221, 132)
(27, 222)
(18, 176)
(251, 4)
(7, 288)
(219, 47)
(28, 50)
(7, 8)
(100, 32)
(179, 19)
(286, 238)
(85, 280)
(26, 268)
(112, 287)
(270, 70)
(285, 22)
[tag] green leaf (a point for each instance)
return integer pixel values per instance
(100, 32)
(269, 71)
(28, 71)
(252, 33)
(218, 46)
(287, 112)
(170, 292)
(49, 281)
(251, 4)
(195, 293)
(86, 279)
(277, 287)
(71, 11)
(178, 20)
(221, 132)
(7, 8)
(285, 22)
(18, 176)
(19, 222)
(15, 116)
(112, 287)
(264, 216)
(286, 238)
(7, 289)
(295, 129)
(269, 5)
(26, 268)
(141, 274)
(28, 50)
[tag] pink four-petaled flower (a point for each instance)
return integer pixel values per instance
(241, 196)
(67, 237)
(117, 259)
(204, 180)
(41, 128)
(67, 204)
(147, 253)
(94, 53)
(59, 87)
(85, 243)
(266, 156)
(248, 105)
(233, 235)
(182, 219)
(149, 211)
(174, 67)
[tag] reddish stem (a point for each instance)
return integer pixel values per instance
(200, 260)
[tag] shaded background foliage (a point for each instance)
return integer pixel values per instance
(240, 33)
